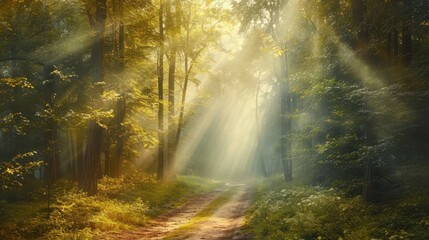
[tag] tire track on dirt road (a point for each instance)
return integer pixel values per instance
(224, 221)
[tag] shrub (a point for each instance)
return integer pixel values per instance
(287, 211)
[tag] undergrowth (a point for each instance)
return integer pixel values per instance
(124, 203)
(287, 211)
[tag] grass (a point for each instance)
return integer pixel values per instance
(123, 203)
(203, 215)
(288, 211)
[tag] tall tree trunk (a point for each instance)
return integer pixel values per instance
(161, 138)
(285, 147)
(182, 104)
(174, 26)
(107, 162)
(371, 187)
(113, 164)
(283, 75)
(171, 107)
(53, 164)
(407, 23)
(395, 43)
(116, 168)
(259, 133)
(80, 145)
(407, 47)
(121, 104)
(358, 14)
(188, 68)
(72, 153)
(359, 10)
(91, 157)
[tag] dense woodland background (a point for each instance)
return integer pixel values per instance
(336, 95)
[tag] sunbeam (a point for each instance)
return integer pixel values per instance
(198, 119)
(225, 137)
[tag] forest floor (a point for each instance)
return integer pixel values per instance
(219, 214)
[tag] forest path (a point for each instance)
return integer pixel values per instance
(219, 214)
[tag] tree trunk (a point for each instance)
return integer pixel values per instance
(116, 167)
(407, 23)
(161, 149)
(80, 145)
(359, 9)
(107, 162)
(285, 146)
(371, 187)
(407, 47)
(121, 104)
(371, 190)
(258, 130)
(395, 43)
(72, 154)
(188, 69)
(91, 157)
(171, 108)
(53, 163)
(283, 73)
(358, 13)
(53, 166)
(182, 104)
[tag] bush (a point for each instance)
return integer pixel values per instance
(286, 211)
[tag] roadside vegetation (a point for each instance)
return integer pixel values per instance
(290, 211)
(124, 203)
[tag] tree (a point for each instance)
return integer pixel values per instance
(270, 15)
(161, 137)
(113, 165)
(194, 40)
(173, 29)
(258, 129)
(91, 157)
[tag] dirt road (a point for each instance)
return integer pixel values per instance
(215, 215)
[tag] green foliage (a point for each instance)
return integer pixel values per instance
(12, 172)
(160, 195)
(285, 211)
(124, 203)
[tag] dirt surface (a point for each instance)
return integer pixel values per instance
(225, 223)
